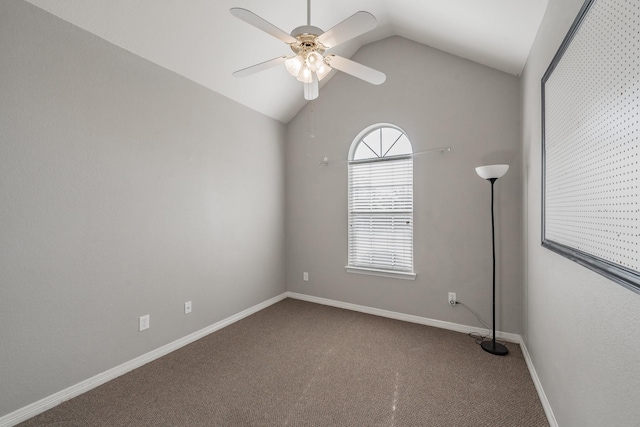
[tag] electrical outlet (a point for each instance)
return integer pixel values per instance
(305, 276)
(452, 298)
(144, 322)
(187, 307)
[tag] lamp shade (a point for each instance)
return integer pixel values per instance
(492, 171)
(294, 65)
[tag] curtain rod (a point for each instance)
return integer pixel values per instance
(441, 150)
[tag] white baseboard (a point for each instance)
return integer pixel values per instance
(42, 405)
(515, 338)
(401, 316)
(55, 399)
(536, 382)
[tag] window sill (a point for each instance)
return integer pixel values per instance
(382, 273)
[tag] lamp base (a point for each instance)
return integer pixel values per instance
(494, 348)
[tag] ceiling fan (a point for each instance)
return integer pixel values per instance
(310, 64)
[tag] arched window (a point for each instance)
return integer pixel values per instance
(381, 203)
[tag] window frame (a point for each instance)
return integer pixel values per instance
(359, 269)
(607, 227)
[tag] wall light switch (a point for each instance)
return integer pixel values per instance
(305, 276)
(187, 307)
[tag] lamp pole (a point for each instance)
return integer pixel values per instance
(491, 174)
(492, 346)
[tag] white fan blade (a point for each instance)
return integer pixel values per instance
(311, 90)
(259, 67)
(358, 23)
(356, 70)
(261, 24)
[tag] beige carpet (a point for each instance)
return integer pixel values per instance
(302, 364)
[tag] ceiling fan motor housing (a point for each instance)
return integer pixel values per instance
(306, 29)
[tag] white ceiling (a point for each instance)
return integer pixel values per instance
(202, 41)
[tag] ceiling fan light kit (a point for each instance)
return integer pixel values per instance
(309, 64)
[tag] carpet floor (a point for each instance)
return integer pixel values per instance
(301, 364)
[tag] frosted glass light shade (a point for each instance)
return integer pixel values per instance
(315, 61)
(294, 65)
(304, 75)
(323, 71)
(492, 171)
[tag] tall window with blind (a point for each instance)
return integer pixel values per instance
(381, 203)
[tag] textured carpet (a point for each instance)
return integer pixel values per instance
(302, 364)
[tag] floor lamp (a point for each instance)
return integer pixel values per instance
(491, 173)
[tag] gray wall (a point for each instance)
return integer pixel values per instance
(580, 328)
(440, 100)
(124, 190)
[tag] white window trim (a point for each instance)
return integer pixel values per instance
(405, 275)
(381, 273)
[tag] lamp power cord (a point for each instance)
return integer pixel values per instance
(478, 336)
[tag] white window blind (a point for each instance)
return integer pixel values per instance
(381, 213)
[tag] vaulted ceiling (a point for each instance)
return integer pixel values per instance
(202, 41)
